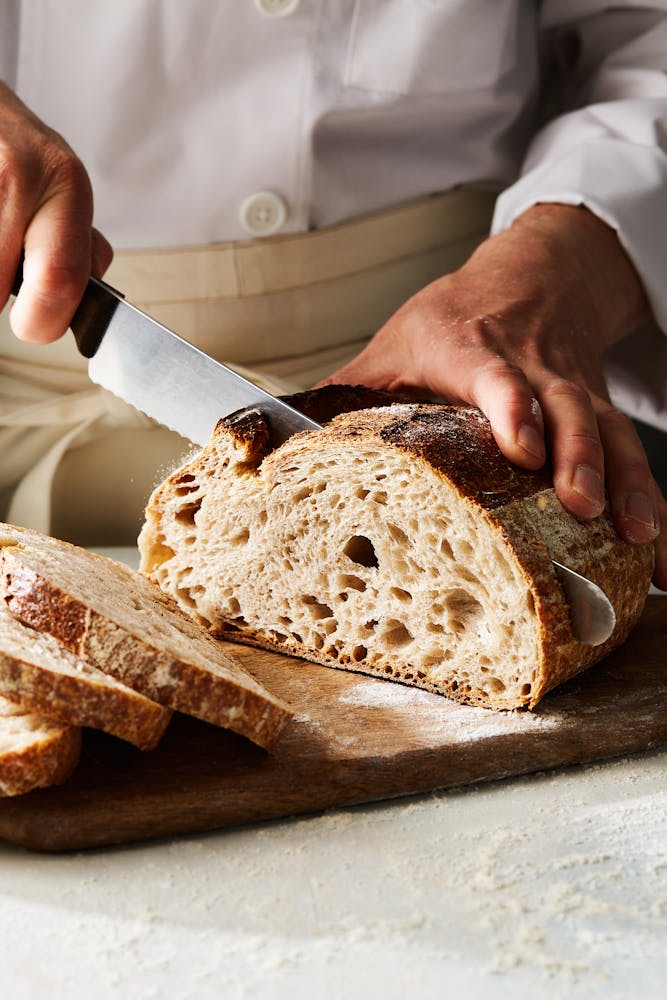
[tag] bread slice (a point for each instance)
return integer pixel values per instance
(396, 541)
(35, 752)
(39, 674)
(111, 616)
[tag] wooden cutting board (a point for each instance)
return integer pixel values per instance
(354, 739)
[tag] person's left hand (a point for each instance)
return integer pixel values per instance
(520, 331)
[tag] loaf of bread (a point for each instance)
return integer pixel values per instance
(34, 751)
(111, 617)
(41, 676)
(395, 541)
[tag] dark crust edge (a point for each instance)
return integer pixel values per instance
(36, 602)
(50, 762)
(80, 701)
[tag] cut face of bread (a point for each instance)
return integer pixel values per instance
(38, 673)
(35, 752)
(115, 619)
(396, 541)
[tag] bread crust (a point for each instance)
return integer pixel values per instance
(229, 698)
(82, 696)
(47, 757)
(456, 445)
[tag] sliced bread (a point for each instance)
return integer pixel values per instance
(39, 674)
(396, 541)
(116, 619)
(35, 752)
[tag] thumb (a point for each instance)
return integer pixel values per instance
(380, 365)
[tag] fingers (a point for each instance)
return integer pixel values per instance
(632, 490)
(58, 255)
(577, 452)
(591, 443)
(502, 393)
(46, 209)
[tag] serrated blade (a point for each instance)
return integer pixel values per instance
(164, 376)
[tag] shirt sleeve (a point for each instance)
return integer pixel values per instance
(606, 147)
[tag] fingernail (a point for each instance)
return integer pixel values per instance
(531, 441)
(639, 507)
(587, 482)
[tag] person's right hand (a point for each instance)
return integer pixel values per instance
(46, 208)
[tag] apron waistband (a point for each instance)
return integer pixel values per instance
(261, 267)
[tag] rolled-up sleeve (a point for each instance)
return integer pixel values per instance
(606, 147)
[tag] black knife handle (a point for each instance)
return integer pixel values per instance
(93, 313)
(18, 278)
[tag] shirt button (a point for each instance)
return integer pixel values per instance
(263, 213)
(277, 8)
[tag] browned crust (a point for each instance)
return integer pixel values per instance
(251, 432)
(81, 701)
(160, 676)
(457, 444)
(50, 760)
(331, 401)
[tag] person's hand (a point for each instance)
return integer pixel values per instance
(46, 207)
(519, 331)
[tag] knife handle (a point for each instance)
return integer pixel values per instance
(18, 278)
(93, 312)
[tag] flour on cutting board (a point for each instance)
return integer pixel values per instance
(464, 722)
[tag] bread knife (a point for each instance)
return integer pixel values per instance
(159, 373)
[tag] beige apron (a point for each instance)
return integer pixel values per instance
(79, 464)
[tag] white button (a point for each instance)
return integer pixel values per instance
(277, 8)
(263, 213)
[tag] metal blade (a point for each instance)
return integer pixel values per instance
(173, 382)
(592, 613)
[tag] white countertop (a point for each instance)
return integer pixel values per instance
(553, 885)
(546, 886)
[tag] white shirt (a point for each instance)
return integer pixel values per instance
(185, 112)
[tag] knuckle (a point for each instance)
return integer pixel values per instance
(497, 368)
(11, 170)
(479, 332)
(32, 171)
(66, 169)
(566, 391)
(616, 422)
(60, 282)
(584, 441)
(636, 471)
(498, 379)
